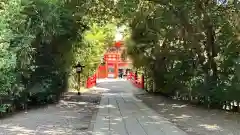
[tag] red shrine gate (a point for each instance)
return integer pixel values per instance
(113, 63)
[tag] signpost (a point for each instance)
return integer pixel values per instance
(79, 69)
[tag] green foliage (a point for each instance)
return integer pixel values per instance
(41, 41)
(189, 47)
(36, 43)
(90, 50)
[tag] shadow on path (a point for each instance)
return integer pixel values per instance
(193, 120)
(71, 116)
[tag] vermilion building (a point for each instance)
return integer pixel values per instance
(113, 63)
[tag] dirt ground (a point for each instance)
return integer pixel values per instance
(71, 116)
(194, 120)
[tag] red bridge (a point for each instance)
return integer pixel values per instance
(115, 64)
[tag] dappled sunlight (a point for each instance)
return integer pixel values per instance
(162, 104)
(126, 110)
(178, 106)
(105, 106)
(72, 115)
(82, 90)
(115, 86)
(100, 89)
(4, 126)
(183, 116)
(17, 129)
(121, 98)
(110, 94)
(138, 100)
(118, 119)
(192, 119)
(63, 102)
(110, 80)
(213, 127)
(154, 117)
(74, 101)
(54, 129)
(189, 130)
(159, 122)
(152, 123)
(70, 104)
(69, 117)
(182, 50)
(164, 110)
(82, 103)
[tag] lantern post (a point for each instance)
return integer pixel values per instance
(79, 69)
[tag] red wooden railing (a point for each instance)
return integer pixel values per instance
(91, 81)
(135, 80)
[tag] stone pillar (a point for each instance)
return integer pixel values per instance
(106, 68)
(116, 66)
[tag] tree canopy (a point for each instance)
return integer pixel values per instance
(40, 41)
(187, 47)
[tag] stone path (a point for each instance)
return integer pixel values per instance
(120, 113)
(72, 116)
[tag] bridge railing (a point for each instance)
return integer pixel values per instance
(91, 81)
(137, 81)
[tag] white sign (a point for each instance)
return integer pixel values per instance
(79, 69)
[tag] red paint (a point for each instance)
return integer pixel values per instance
(101, 74)
(118, 44)
(91, 81)
(136, 81)
(113, 62)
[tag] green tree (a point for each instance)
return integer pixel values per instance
(191, 45)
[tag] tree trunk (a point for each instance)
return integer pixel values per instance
(211, 54)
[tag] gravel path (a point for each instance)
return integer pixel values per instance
(194, 120)
(72, 116)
